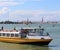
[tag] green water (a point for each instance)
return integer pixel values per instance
(54, 32)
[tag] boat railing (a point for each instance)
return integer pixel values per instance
(8, 30)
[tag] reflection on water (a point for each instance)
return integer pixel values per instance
(53, 46)
(11, 46)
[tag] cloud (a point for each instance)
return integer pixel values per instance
(6, 0)
(3, 10)
(35, 12)
(36, 0)
(29, 0)
(24, 12)
(35, 15)
(11, 2)
(8, 3)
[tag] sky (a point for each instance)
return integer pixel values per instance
(34, 10)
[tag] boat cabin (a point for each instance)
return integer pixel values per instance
(34, 31)
(9, 34)
(22, 33)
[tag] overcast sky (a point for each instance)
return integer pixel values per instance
(35, 10)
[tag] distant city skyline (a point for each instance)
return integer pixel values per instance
(34, 10)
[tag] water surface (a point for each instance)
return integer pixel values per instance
(54, 32)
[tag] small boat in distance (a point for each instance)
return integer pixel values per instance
(27, 35)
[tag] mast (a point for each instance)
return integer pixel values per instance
(27, 21)
(42, 20)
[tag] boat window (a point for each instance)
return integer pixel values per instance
(33, 34)
(12, 35)
(8, 34)
(0, 34)
(16, 35)
(37, 30)
(31, 30)
(34, 30)
(3, 34)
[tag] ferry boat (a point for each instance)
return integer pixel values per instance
(27, 35)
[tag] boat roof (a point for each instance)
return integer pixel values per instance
(17, 31)
(32, 28)
(9, 31)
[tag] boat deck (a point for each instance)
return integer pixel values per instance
(8, 30)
